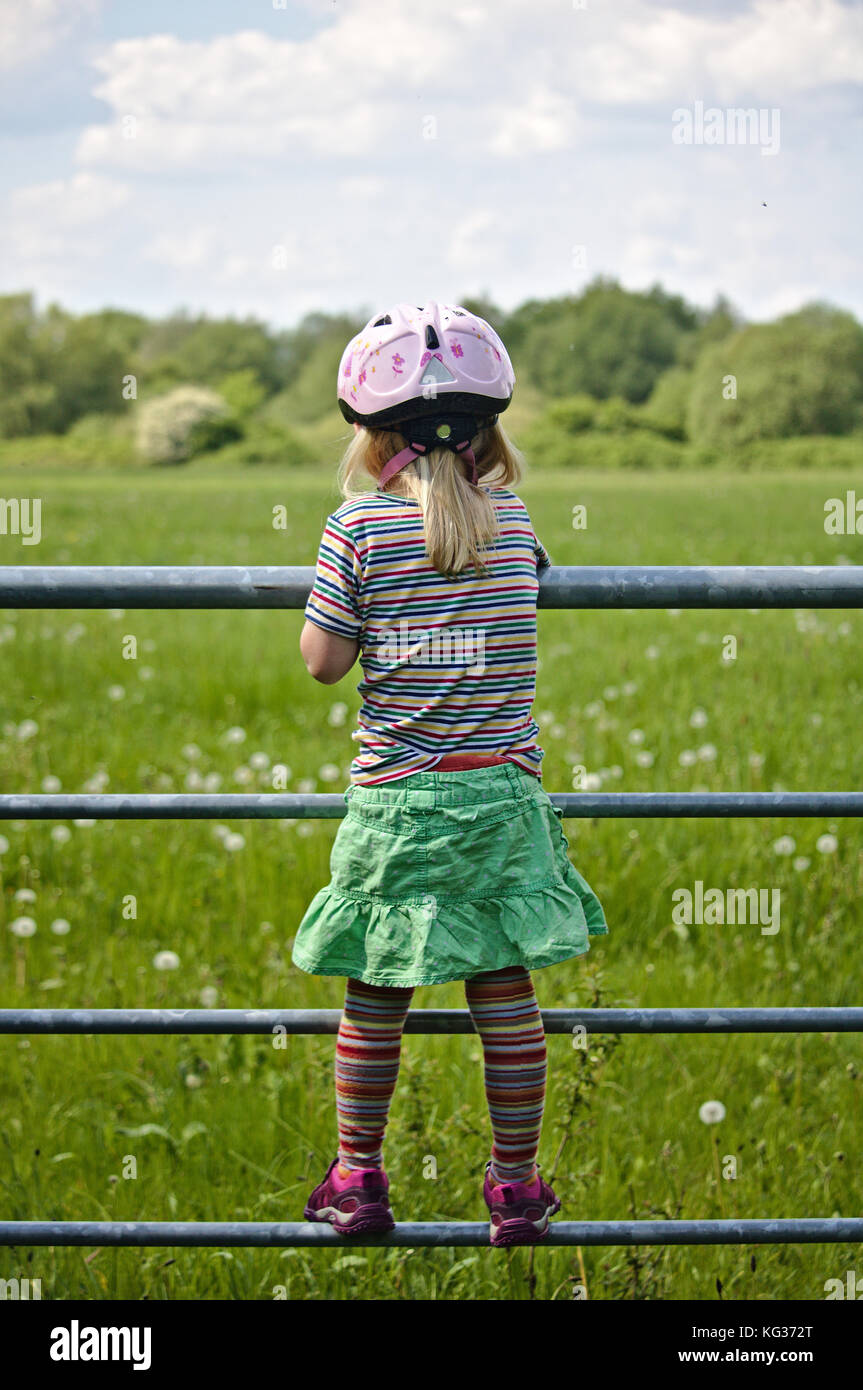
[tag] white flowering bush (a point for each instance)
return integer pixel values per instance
(186, 421)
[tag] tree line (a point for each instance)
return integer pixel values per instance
(606, 359)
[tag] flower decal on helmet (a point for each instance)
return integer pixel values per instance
(398, 362)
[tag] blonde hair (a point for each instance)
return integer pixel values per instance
(459, 520)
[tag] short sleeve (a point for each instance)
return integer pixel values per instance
(334, 602)
(543, 559)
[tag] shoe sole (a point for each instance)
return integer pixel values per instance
(520, 1231)
(362, 1221)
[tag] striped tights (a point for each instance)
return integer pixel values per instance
(506, 1015)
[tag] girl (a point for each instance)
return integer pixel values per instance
(451, 863)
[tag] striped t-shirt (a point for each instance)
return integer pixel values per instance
(449, 663)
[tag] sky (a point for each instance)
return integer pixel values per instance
(270, 158)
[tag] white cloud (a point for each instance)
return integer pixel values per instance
(776, 48)
(473, 245)
(31, 28)
(181, 252)
(63, 218)
(543, 121)
(553, 130)
(505, 82)
(80, 199)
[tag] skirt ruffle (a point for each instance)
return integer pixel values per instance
(428, 943)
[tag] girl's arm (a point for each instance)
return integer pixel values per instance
(328, 657)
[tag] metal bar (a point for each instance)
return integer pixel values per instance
(332, 805)
(306, 1022)
(563, 586)
(785, 1231)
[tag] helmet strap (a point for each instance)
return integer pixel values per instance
(422, 436)
(415, 450)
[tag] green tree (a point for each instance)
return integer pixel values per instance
(801, 375)
(205, 350)
(668, 405)
(88, 358)
(26, 395)
(608, 341)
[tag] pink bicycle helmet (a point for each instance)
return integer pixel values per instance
(437, 373)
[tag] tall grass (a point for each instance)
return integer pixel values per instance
(235, 1128)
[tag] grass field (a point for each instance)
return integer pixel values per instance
(233, 1128)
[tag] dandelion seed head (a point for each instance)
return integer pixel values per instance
(166, 960)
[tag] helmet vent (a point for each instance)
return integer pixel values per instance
(379, 323)
(431, 337)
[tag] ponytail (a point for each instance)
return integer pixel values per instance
(459, 520)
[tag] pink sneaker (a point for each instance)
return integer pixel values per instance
(359, 1202)
(519, 1211)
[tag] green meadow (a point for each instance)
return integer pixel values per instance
(233, 1128)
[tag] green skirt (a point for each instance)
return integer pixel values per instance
(445, 875)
